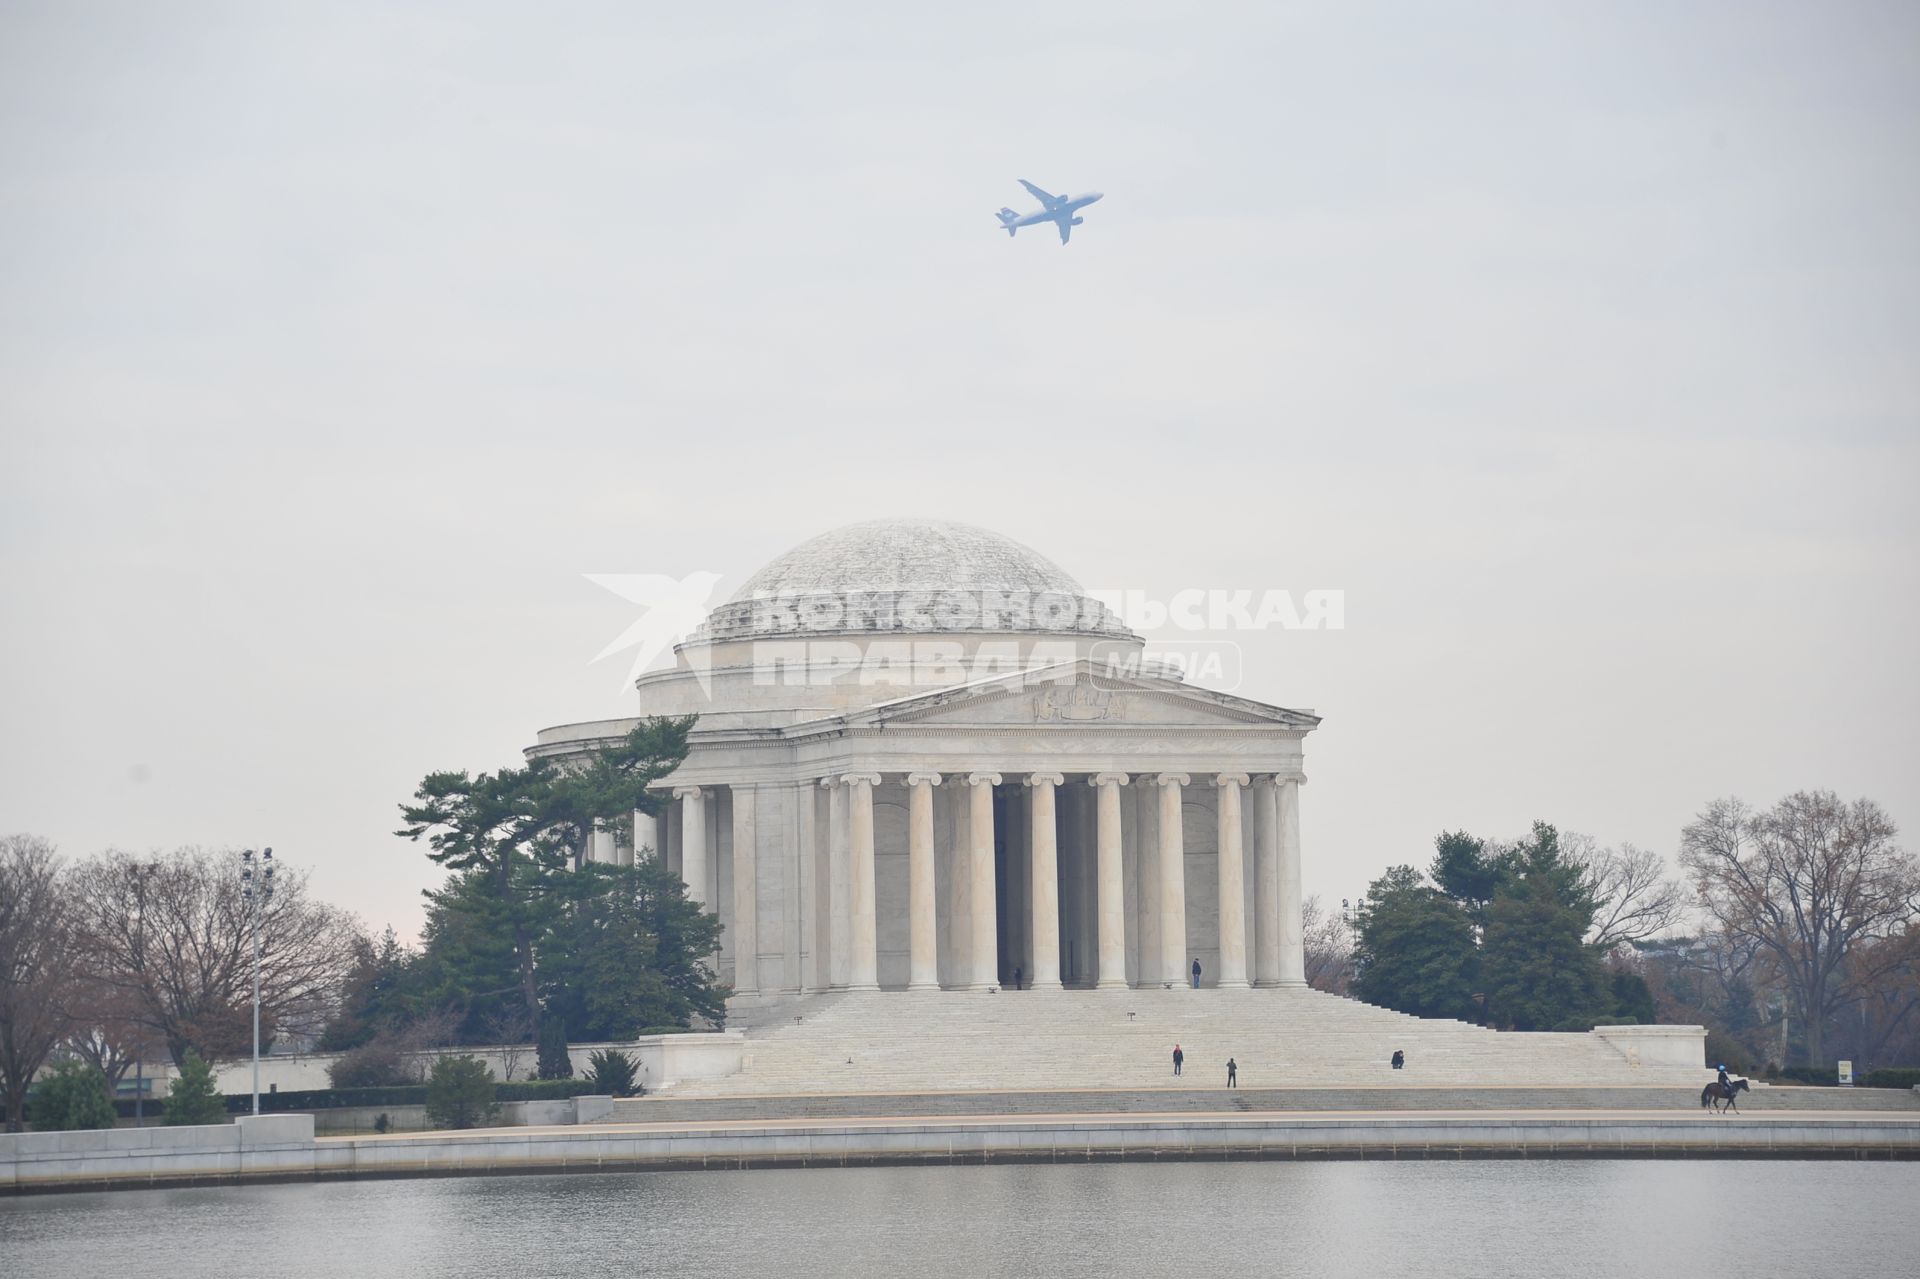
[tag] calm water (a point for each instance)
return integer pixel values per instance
(1384, 1221)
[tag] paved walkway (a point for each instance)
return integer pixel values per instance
(1209, 1119)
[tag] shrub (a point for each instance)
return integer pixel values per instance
(192, 1099)
(70, 1096)
(1893, 1077)
(381, 1122)
(612, 1073)
(460, 1093)
(307, 1099)
(1818, 1076)
(554, 1061)
(378, 1063)
(544, 1089)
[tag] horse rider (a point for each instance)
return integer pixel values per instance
(1725, 1082)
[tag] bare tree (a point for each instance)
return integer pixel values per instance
(35, 963)
(511, 1028)
(106, 1031)
(1635, 898)
(1810, 884)
(1892, 994)
(1329, 947)
(169, 935)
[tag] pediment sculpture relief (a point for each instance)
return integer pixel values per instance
(1078, 703)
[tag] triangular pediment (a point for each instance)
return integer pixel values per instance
(1077, 693)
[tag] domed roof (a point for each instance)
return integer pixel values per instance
(910, 575)
(907, 555)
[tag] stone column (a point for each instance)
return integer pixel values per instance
(863, 961)
(1045, 851)
(600, 844)
(1110, 894)
(1293, 953)
(1146, 891)
(1233, 890)
(814, 974)
(1266, 884)
(693, 844)
(1173, 881)
(646, 835)
(840, 885)
(746, 904)
(923, 958)
(984, 962)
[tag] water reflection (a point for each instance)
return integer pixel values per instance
(1572, 1217)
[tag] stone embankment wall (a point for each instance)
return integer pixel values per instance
(282, 1147)
(664, 1059)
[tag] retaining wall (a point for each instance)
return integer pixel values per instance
(1676, 1099)
(281, 1147)
(663, 1060)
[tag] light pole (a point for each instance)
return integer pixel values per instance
(255, 903)
(1346, 917)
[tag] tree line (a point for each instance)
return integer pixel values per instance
(124, 956)
(1794, 936)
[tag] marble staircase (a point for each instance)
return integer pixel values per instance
(953, 1041)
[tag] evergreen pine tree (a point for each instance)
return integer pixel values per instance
(1540, 974)
(70, 1096)
(460, 1093)
(1415, 951)
(193, 1099)
(554, 1061)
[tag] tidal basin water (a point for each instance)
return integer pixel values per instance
(1382, 1220)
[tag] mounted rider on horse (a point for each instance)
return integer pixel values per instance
(1721, 1091)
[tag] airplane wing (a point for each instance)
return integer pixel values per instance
(1050, 201)
(1066, 229)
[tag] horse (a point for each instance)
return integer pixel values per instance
(1721, 1096)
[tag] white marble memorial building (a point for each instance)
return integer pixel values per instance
(924, 758)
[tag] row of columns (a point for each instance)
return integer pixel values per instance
(853, 932)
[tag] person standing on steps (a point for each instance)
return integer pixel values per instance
(1196, 972)
(1017, 975)
(1178, 1057)
(1233, 1074)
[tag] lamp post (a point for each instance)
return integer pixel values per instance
(255, 903)
(1346, 917)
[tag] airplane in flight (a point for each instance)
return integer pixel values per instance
(1061, 210)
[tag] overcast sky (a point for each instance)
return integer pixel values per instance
(1578, 345)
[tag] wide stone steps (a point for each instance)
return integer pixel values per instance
(962, 1041)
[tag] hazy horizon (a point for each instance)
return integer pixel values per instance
(1576, 348)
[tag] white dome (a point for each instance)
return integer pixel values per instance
(907, 555)
(910, 575)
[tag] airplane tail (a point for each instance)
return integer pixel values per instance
(1007, 218)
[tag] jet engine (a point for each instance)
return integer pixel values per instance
(1078, 221)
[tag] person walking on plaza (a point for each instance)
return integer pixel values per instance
(1178, 1057)
(1196, 972)
(1233, 1074)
